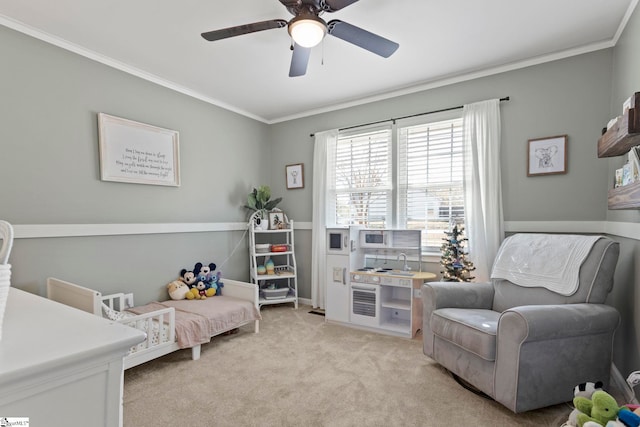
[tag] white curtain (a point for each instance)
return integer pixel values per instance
(323, 142)
(482, 184)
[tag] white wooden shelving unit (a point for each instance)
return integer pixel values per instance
(281, 286)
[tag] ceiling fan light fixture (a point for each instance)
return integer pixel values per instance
(307, 30)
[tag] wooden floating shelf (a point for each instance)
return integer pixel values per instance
(625, 197)
(624, 134)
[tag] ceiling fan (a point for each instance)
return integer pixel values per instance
(307, 29)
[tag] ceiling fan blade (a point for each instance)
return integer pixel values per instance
(299, 61)
(243, 29)
(362, 38)
(333, 5)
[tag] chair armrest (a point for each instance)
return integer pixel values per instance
(556, 346)
(437, 295)
(547, 322)
(457, 295)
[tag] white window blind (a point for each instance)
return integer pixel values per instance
(406, 176)
(430, 173)
(360, 179)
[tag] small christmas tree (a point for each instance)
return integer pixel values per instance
(454, 259)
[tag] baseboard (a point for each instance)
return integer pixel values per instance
(621, 384)
(304, 301)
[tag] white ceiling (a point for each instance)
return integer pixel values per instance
(440, 42)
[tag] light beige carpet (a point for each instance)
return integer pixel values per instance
(301, 371)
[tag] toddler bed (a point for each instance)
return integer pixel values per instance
(169, 325)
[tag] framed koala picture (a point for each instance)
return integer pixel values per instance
(547, 156)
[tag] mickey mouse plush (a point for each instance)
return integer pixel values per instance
(201, 290)
(206, 270)
(206, 274)
(190, 279)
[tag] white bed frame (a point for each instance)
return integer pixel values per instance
(90, 300)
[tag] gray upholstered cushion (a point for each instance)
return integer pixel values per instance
(472, 329)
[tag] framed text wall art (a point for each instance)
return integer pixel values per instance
(137, 153)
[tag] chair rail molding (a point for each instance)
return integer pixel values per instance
(629, 230)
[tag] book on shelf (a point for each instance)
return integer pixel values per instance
(618, 181)
(626, 174)
(634, 162)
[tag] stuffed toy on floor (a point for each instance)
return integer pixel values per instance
(585, 390)
(601, 408)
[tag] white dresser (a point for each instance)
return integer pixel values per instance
(60, 366)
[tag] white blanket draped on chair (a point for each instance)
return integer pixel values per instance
(551, 261)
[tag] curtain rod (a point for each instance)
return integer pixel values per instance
(506, 98)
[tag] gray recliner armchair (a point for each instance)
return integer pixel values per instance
(525, 347)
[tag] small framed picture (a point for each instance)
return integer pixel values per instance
(547, 156)
(277, 220)
(295, 176)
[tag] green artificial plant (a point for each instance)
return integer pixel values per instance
(260, 200)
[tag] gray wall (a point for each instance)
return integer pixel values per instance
(49, 170)
(562, 97)
(49, 157)
(626, 293)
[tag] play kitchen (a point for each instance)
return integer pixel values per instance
(370, 284)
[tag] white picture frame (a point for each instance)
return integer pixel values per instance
(277, 220)
(547, 156)
(295, 176)
(137, 153)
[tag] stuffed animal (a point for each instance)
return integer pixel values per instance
(178, 290)
(189, 279)
(626, 418)
(201, 290)
(217, 283)
(207, 274)
(601, 408)
(206, 270)
(629, 418)
(585, 390)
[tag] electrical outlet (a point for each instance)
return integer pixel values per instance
(417, 293)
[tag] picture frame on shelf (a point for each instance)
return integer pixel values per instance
(295, 176)
(277, 220)
(547, 156)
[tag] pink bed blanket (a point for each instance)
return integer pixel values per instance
(199, 320)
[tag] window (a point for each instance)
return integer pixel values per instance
(406, 176)
(430, 168)
(360, 179)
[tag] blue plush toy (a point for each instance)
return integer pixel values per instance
(628, 418)
(216, 283)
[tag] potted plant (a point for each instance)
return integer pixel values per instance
(259, 200)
